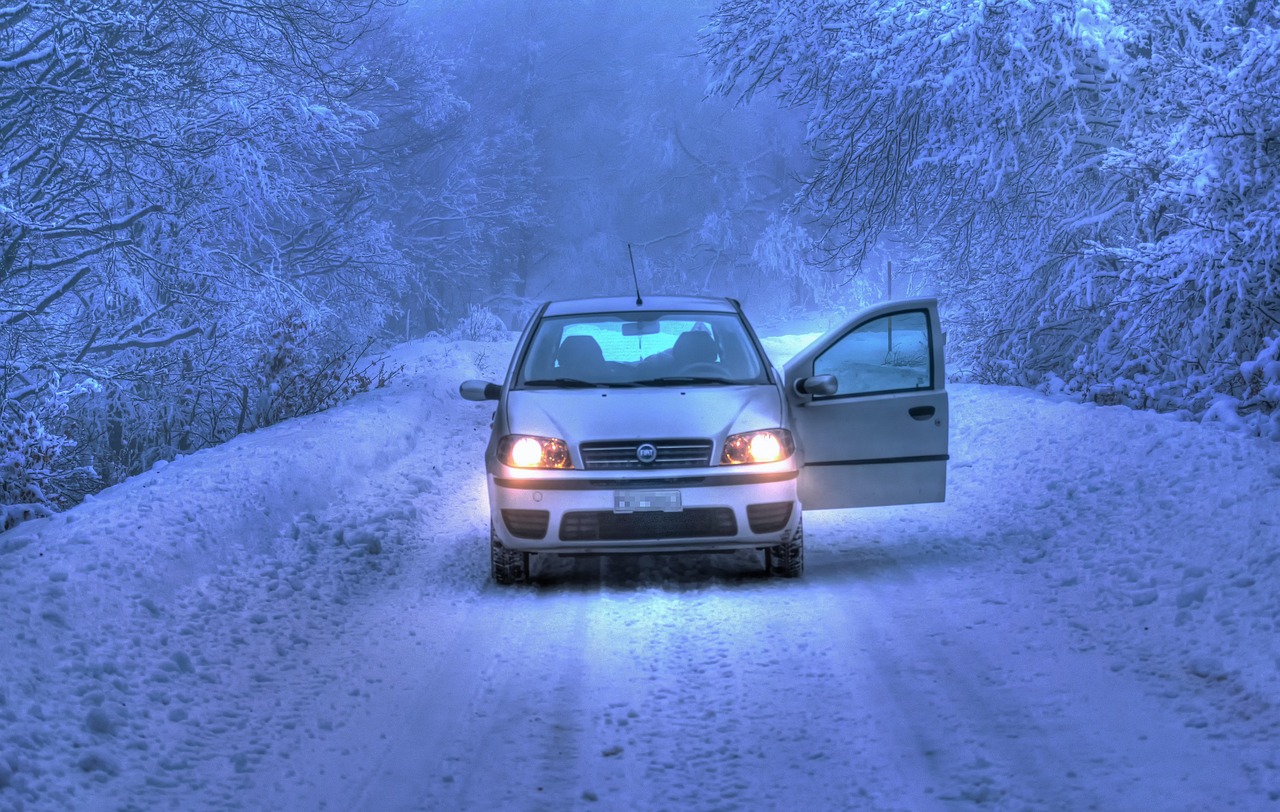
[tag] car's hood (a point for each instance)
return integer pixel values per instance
(585, 415)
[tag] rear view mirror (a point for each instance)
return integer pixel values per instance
(818, 385)
(640, 328)
(479, 390)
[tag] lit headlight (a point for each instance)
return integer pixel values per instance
(770, 445)
(523, 451)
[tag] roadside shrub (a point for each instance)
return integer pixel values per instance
(295, 377)
(39, 470)
(480, 324)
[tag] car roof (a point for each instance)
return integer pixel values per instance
(627, 304)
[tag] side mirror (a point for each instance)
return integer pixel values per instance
(818, 385)
(479, 390)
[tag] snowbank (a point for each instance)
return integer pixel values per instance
(137, 621)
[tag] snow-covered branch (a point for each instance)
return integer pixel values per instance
(144, 343)
(52, 296)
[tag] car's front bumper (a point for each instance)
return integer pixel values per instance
(576, 512)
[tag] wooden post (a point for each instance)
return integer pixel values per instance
(888, 275)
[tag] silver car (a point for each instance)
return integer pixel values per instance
(661, 426)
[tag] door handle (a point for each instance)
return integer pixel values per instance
(921, 412)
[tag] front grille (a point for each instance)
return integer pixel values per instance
(650, 482)
(622, 454)
(769, 517)
(526, 524)
(605, 525)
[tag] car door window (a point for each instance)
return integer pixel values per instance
(888, 354)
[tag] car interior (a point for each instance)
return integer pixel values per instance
(694, 347)
(599, 353)
(580, 357)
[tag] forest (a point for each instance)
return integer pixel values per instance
(215, 216)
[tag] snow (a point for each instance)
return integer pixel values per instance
(301, 619)
(871, 360)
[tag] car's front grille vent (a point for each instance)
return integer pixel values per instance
(769, 517)
(605, 525)
(526, 524)
(618, 454)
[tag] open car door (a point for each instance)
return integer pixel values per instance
(880, 436)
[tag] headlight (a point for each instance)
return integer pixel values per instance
(523, 451)
(770, 445)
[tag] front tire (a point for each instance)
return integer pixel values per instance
(509, 566)
(786, 560)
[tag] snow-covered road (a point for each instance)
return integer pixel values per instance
(301, 619)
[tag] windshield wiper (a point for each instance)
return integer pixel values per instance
(670, 380)
(684, 380)
(565, 383)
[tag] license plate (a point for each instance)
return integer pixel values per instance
(638, 501)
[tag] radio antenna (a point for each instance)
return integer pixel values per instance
(639, 301)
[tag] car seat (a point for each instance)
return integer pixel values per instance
(579, 357)
(694, 347)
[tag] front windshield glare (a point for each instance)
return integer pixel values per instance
(662, 349)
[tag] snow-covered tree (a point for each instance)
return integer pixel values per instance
(175, 180)
(457, 179)
(1096, 181)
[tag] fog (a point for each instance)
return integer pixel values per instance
(608, 104)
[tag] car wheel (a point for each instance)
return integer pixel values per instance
(787, 559)
(509, 566)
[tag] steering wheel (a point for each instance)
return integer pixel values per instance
(699, 368)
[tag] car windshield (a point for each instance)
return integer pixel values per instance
(649, 349)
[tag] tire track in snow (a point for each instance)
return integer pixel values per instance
(699, 697)
(985, 704)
